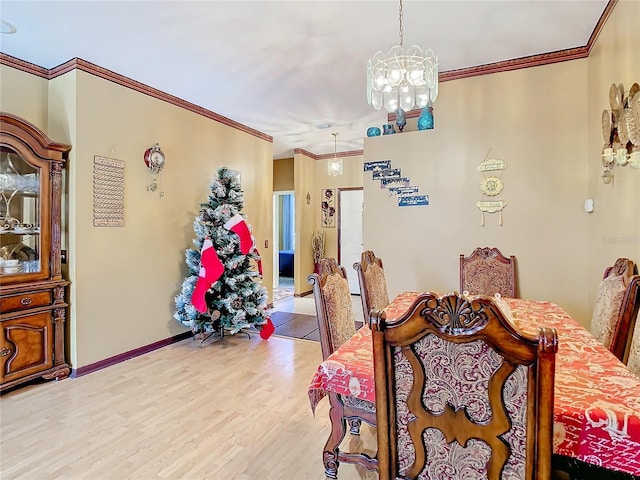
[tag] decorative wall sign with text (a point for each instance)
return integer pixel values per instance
(394, 182)
(389, 173)
(399, 186)
(108, 192)
(491, 186)
(378, 165)
(402, 190)
(410, 201)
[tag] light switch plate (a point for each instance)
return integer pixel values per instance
(588, 205)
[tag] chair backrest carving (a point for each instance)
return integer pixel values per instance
(336, 321)
(459, 388)
(487, 272)
(373, 285)
(616, 306)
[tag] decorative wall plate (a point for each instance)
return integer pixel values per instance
(606, 126)
(634, 132)
(625, 120)
(491, 186)
(615, 97)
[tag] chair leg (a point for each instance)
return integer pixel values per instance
(338, 431)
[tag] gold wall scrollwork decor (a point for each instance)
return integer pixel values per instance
(491, 187)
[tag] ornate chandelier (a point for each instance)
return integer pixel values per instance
(334, 167)
(402, 78)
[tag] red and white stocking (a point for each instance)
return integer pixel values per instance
(238, 226)
(211, 269)
(267, 329)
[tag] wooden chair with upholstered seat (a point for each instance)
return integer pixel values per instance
(373, 285)
(487, 272)
(633, 360)
(616, 306)
(461, 393)
(336, 324)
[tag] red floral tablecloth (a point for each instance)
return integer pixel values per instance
(597, 399)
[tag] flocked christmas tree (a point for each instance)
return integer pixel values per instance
(222, 291)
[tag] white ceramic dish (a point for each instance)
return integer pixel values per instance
(10, 269)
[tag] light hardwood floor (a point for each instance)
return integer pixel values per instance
(232, 410)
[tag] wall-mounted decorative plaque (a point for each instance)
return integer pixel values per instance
(108, 192)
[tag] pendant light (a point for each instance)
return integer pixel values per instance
(334, 167)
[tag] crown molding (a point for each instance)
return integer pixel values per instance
(324, 156)
(21, 65)
(92, 69)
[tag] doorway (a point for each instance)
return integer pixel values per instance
(284, 241)
(350, 242)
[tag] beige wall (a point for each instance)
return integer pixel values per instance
(614, 226)
(535, 120)
(124, 279)
(304, 179)
(283, 175)
(24, 95)
(352, 176)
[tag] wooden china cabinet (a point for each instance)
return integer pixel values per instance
(32, 290)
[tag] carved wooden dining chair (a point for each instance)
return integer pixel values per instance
(616, 306)
(336, 324)
(487, 272)
(373, 285)
(633, 360)
(461, 393)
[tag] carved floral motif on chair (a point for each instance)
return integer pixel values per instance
(376, 286)
(607, 309)
(483, 277)
(339, 309)
(467, 386)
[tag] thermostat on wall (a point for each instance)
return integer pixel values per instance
(588, 205)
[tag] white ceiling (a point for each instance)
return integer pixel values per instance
(282, 67)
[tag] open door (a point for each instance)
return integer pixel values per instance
(350, 243)
(284, 241)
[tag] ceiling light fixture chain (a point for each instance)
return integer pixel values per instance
(401, 31)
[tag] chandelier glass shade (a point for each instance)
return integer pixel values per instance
(403, 78)
(334, 166)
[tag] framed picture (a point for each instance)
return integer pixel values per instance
(328, 212)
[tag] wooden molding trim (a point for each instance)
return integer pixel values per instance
(18, 64)
(324, 156)
(136, 352)
(88, 67)
(303, 294)
(599, 26)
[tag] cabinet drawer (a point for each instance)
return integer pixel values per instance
(25, 300)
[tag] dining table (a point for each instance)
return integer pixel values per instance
(596, 398)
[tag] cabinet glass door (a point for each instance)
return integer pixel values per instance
(20, 243)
